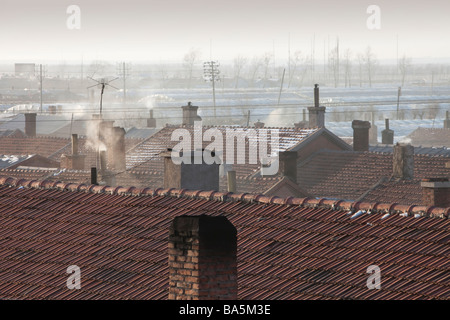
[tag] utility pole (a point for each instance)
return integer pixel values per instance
(123, 70)
(211, 73)
(398, 99)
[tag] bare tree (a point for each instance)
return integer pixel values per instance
(266, 58)
(370, 63)
(239, 62)
(360, 64)
(255, 65)
(295, 61)
(189, 61)
(347, 67)
(403, 64)
(334, 65)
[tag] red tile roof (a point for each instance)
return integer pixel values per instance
(349, 175)
(145, 156)
(290, 248)
(43, 145)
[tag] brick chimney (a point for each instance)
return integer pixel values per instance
(436, 192)
(288, 164)
(74, 161)
(446, 121)
(316, 113)
(387, 135)
(403, 161)
(30, 124)
(190, 114)
(360, 135)
(303, 123)
(202, 258)
(151, 122)
(197, 175)
(116, 149)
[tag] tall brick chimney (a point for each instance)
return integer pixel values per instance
(74, 161)
(403, 161)
(436, 192)
(387, 135)
(197, 175)
(202, 258)
(151, 122)
(190, 114)
(116, 150)
(360, 135)
(288, 164)
(316, 113)
(30, 124)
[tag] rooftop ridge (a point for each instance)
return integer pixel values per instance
(352, 206)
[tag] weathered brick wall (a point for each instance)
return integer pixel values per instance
(436, 192)
(202, 259)
(360, 135)
(403, 161)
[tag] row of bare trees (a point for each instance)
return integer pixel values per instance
(340, 68)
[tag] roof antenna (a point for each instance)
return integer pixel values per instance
(103, 82)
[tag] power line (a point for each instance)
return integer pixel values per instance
(229, 116)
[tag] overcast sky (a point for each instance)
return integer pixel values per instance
(164, 30)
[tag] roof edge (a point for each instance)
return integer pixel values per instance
(391, 208)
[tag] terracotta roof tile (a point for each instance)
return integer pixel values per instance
(285, 251)
(349, 175)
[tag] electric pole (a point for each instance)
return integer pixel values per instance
(211, 73)
(123, 70)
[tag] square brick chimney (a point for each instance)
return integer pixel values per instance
(360, 135)
(190, 114)
(202, 258)
(151, 122)
(316, 113)
(436, 192)
(116, 149)
(403, 161)
(196, 175)
(74, 161)
(30, 124)
(288, 164)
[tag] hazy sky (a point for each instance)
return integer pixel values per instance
(161, 30)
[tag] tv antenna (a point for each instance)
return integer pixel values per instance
(103, 82)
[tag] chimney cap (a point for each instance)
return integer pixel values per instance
(360, 124)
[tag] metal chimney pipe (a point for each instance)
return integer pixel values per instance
(94, 176)
(386, 121)
(231, 178)
(316, 95)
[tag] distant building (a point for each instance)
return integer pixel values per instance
(24, 69)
